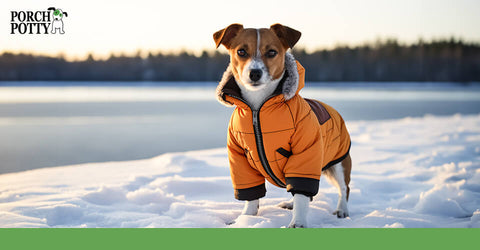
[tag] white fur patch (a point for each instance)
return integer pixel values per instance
(257, 97)
(258, 45)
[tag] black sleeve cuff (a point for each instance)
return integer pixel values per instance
(250, 194)
(300, 185)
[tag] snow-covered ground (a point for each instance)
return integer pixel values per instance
(412, 172)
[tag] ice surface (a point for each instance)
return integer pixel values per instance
(411, 172)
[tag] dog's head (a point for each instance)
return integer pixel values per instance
(58, 14)
(257, 56)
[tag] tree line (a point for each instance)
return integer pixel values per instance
(450, 60)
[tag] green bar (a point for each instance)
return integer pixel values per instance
(246, 239)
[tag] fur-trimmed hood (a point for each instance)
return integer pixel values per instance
(292, 82)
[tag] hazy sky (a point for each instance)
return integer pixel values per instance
(102, 27)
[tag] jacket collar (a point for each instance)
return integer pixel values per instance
(228, 92)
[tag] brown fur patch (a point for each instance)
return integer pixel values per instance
(247, 40)
(269, 41)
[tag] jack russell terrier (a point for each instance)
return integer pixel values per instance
(57, 22)
(274, 133)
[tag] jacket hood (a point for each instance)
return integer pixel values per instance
(289, 86)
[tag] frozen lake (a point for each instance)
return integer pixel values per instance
(57, 125)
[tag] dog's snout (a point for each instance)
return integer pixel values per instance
(255, 74)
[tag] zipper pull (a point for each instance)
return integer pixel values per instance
(255, 117)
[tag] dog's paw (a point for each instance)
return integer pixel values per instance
(296, 225)
(341, 214)
(228, 223)
(286, 205)
(342, 208)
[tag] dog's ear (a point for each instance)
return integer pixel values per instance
(51, 8)
(288, 36)
(224, 36)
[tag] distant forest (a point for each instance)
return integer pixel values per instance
(449, 60)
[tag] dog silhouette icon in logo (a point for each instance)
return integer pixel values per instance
(57, 22)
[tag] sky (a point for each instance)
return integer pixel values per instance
(105, 27)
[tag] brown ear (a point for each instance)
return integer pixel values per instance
(287, 35)
(224, 36)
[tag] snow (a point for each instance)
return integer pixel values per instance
(411, 172)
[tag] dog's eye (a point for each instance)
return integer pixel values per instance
(271, 53)
(241, 53)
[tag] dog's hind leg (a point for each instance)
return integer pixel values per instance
(339, 176)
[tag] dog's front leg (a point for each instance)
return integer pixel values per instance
(300, 210)
(251, 207)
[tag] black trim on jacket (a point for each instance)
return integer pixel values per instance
(330, 164)
(250, 194)
(301, 185)
(285, 153)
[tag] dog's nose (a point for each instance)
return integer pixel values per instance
(255, 74)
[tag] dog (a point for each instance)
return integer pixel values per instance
(274, 133)
(57, 22)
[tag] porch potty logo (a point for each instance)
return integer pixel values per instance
(37, 22)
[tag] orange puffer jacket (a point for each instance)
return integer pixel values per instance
(288, 141)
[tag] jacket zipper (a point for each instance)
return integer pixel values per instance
(259, 141)
(261, 148)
